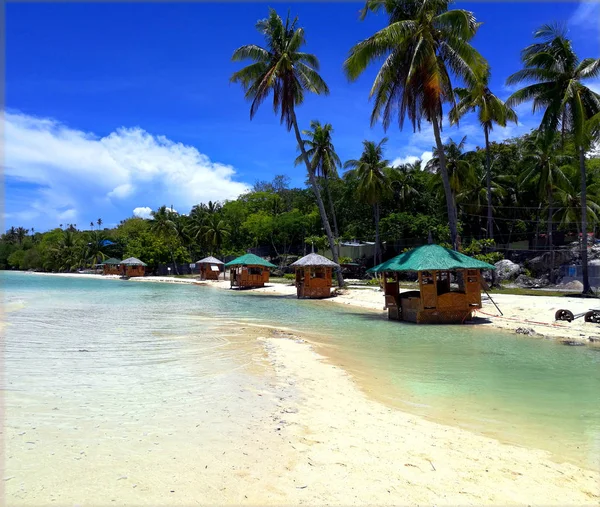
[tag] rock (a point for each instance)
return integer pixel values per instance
(574, 285)
(594, 339)
(572, 343)
(532, 283)
(594, 262)
(507, 270)
(541, 264)
(525, 331)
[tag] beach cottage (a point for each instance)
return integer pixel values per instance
(132, 267)
(249, 271)
(436, 301)
(314, 276)
(111, 266)
(210, 268)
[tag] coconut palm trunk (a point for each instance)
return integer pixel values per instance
(377, 242)
(549, 234)
(584, 256)
(319, 199)
(446, 183)
(332, 210)
(488, 182)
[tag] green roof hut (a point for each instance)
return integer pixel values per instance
(111, 266)
(436, 302)
(249, 271)
(132, 267)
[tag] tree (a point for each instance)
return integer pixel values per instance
(402, 182)
(557, 74)
(460, 171)
(544, 166)
(373, 184)
(162, 224)
(21, 234)
(215, 231)
(99, 222)
(490, 110)
(286, 72)
(324, 160)
(422, 44)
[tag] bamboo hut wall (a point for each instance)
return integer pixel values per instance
(134, 270)
(313, 281)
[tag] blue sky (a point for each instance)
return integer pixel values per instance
(113, 108)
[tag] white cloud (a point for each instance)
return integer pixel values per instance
(425, 157)
(75, 170)
(142, 212)
(586, 17)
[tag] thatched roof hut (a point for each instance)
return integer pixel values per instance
(209, 260)
(314, 276)
(436, 301)
(314, 260)
(209, 268)
(111, 266)
(133, 267)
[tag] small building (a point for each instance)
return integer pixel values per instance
(132, 267)
(436, 301)
(314, 276)
(210, 268)
(249, 271)
(111, 266)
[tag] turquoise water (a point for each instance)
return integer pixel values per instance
(531, 392)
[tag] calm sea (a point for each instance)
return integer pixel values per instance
(74, 343)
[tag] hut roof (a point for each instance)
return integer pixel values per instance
(132, 261)
(314, 259)
(250, 260)
(209, 260)
(430, 258)
(112, 261)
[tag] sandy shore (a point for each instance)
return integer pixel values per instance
(351, 450)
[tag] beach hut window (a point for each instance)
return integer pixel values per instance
(255, 271)
(426, 278)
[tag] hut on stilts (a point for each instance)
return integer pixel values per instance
(111, 266)
(436, 301)
(132, 267)
(210, 268)
(314, 276)
(249, 271)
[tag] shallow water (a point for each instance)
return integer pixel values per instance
(78, 342)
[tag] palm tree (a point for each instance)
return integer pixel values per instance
(422, 43)
(163, 225)
(568, 198)
(461, 173)
(324, 160)
(373, 184)
(557, 74)
(215, 231)
(287, 72)
(99, 222)
(402, 181)
(490, 110)
(21, 234)
(544, 165)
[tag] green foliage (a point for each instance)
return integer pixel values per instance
(477, 249)
(289, 276)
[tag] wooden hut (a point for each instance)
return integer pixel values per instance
(314, 276)
(436, 301)
(249, 271)
(132, 267)
(111, 266)
(210, 268)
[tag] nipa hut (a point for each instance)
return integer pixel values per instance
(249, 271)
(111, 266)
(314, 276)
(210, 268)
(436, 301)
(132, 267)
